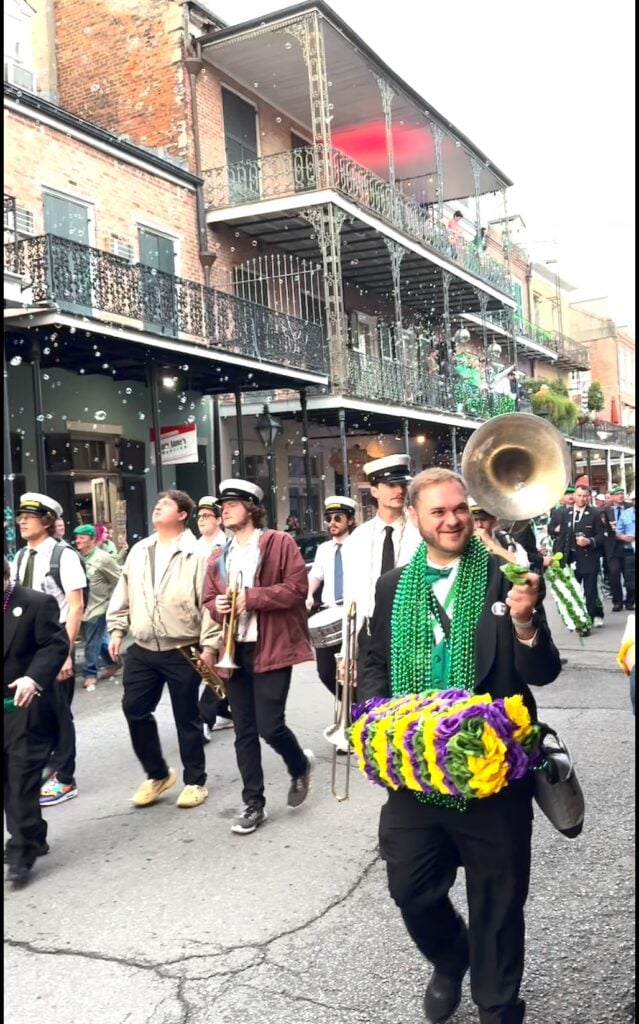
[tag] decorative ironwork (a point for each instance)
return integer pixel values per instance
(294, 171)
(80, 279)
(310, 35)
(388, 95)
(327, 221)
(438, 138)
(10, 234)
(283, 282)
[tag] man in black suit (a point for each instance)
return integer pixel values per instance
(619, 556)
(36, 647)
(424, 843)
(581, 543)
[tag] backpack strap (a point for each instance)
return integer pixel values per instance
(19, 560)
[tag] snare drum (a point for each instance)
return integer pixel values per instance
(325, 627)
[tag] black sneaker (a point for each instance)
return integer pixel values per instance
(300, 786)
(250, 819)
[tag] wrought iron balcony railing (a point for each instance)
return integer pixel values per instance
(309, 168)
(93, 282)
(568, 351)
(10, 234)
(605, 433)
(391, 382)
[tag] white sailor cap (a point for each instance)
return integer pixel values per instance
(240, 490)
(475, 508)
(39, 505)
(392, 469)
(208, 501)
(340, 503)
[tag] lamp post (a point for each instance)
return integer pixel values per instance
(267, 429)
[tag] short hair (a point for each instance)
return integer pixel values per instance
(7, 568)
(458, 213)
(183, 501)
(431, 477)
(583, 487)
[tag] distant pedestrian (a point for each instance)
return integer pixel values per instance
(103, 572)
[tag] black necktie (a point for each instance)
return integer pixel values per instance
(388, 551)
(27, 579)
(617, 513)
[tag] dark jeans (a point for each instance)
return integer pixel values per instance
(143, 679)
(591, 596)
(96, 645)
(258, 706)
(54, 709)
(25, 755)
(327, 666)
(211, 707)
(622, 565)
(423, 847)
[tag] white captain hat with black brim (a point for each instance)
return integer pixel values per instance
(391, 469)
(240, 490)
(39, 505)
(340, 503)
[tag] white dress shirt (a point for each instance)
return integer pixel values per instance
(209, 544)
(72, 574)
(244, 558)
(323, 569)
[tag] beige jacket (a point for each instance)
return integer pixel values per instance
(172, 617)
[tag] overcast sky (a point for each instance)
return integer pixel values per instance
(546, 90)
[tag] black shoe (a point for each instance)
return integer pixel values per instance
(617, 607)
(442, 997)
(563, 661)
(630, 607)
(298, 790)
(251, 818)
(18, 874)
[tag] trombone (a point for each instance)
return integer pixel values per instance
(229, 626)
(336, 734)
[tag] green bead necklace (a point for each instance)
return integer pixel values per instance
(414, 609)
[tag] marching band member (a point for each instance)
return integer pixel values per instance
(452, 610)
(383, 543)
(272, 636)
(327, 572)
(496, 542)
(215, 712)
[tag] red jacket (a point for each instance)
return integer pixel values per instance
(278, 597)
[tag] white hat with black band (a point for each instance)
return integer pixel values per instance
(39, 505)
(240, 490)
(392, 469)
(340, 503)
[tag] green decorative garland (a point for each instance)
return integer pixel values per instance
(411, 633)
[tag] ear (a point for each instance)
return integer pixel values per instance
(374, 492)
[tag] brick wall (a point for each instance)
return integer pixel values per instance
(120, 66)
(121, 194)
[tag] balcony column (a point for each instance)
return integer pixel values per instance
(309, 33)
(483, 306)
(476, 168)
(388, 95)
(38, 412)
(152, 381)
(396, 253)
(438, 137)
(505, 234)
(446, 279)
(609, 468)
(311, 524)
(240, 434)
(406, 429)
(453, 445)
(341, 418)
(327, 222)
(9, 506)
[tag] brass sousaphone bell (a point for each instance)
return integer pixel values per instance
(516, 466)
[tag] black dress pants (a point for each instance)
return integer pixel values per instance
(212, 707)
(622, 564)
(62, 745)
(327, 666)
(25, 755)
(423, 846)
(143, 679)
(589, 582)
(258, 706)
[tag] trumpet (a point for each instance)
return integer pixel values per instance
(336, 733)
(227, 661)
(207, 674)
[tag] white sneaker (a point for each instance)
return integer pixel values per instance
(222, 723)
(207, 733)
(597, 623)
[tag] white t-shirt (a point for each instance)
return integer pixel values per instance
(72, 574)
(209, 544)
(243, 558)
(164, 551)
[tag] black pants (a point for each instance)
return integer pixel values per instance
(258, 706)
(143, 679)
(363, 640)
(622, 565)
(62, 745)
(423, 846)
(327, 666)
(212, 707)
(589, 582)
(25, 755)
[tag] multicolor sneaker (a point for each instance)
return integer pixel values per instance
(56, 792)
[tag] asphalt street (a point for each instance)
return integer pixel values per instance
(162, 916)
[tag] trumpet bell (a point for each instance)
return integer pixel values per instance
(228, 663)
(516, 466)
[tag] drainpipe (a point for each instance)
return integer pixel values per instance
(152, 381)
(194, 65)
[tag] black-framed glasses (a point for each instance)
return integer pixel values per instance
(337, 516)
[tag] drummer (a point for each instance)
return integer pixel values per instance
(387, 541)
(327, 571)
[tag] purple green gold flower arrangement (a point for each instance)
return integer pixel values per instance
(445, 742)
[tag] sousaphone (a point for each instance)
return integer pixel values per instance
(516, 466)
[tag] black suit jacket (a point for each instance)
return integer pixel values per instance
(503, 665)
(35, 644)
(586, 560)
(611, 546)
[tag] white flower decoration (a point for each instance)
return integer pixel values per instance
(17, 612)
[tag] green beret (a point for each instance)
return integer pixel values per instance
(617, 490)
(85, 531)
(569, 490)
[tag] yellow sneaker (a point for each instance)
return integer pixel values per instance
(192, 796)
(151, 789)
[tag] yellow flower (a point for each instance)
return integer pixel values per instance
(519, 715)
(489, 771)
(406, 772)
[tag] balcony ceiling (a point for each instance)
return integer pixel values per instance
(268, 62)
(366, 263)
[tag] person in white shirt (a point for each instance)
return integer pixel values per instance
(55, 568)
(497, 542)
(215, 712)
(383, 543)
(327, 572)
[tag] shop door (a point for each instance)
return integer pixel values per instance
(70, 265)
(104, 495)
(157, 259)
